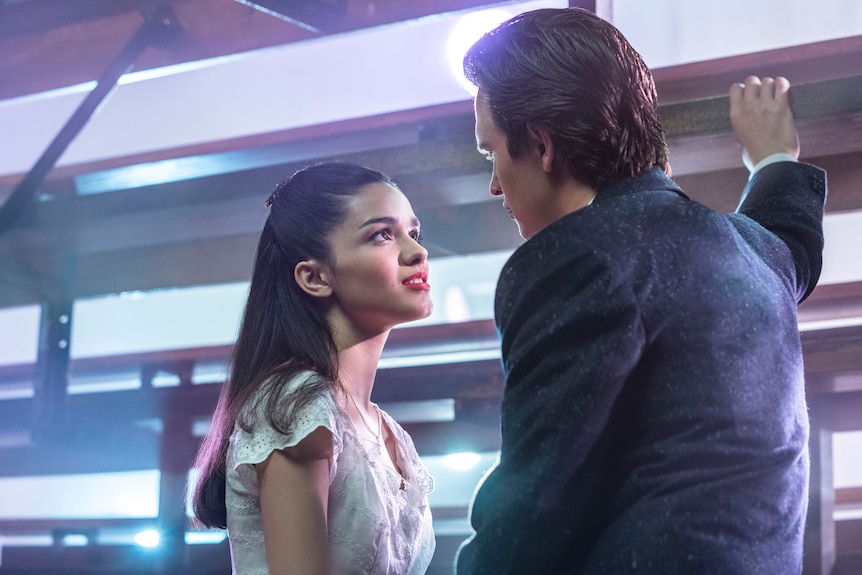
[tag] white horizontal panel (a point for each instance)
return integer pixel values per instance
(82, 496)
(364, 73)
(19, 334)
(671, 32)
(841, 260)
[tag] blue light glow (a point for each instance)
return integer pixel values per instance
(462, 461)
(148, 538)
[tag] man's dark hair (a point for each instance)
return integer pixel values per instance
(574, 76)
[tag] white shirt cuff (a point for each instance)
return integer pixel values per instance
(771, 159)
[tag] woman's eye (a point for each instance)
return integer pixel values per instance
(417, 237)
(381, 236)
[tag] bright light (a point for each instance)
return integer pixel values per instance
(817, 325)
(465, 33)
(148, 538)
(455, 306)
(211, 537)
(462, 461)
(75, 540)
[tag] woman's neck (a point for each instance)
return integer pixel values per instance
(357, 365)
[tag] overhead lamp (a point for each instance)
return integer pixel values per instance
(466, 32)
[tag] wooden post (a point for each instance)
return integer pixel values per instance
(820, 525)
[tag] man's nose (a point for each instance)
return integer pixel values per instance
(494, 187)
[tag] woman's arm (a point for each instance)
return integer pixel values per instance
(294, 493)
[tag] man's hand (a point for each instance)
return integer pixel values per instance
(761, 117)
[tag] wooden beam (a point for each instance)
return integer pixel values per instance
(83, 448)
(832, 351)
(801, 64)
(819, 541)
(157, 27)
(834, 379)
(837, 97)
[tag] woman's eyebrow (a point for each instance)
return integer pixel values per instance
(387, 220)
(381, 220)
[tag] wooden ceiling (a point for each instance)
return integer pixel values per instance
(83, 245)
(47, 44)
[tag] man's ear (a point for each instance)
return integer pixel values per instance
(546, 149)
(312, 279)
(543, 147)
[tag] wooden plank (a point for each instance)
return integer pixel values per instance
(58, 43)
(819, 539)
(801, 64)
(832, 351)
(827, 98)
(832, 301)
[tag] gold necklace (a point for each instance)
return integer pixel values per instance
(368, 427)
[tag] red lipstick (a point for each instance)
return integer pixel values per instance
(418, 281)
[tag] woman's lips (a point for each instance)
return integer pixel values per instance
(417, 281)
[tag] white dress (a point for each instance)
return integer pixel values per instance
(378, 522)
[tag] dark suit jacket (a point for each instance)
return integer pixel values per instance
(654, 416)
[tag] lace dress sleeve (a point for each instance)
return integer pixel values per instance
(254, 446)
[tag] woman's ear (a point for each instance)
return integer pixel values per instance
(312, 279)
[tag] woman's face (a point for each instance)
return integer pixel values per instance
(379, 275)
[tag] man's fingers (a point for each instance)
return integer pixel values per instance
(759, 113)
(782, 88)
(736, 92)
(760, 89)
(767, 88)
(752, 88)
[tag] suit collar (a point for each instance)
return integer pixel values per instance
(652, 179)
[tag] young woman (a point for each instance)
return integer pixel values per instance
(303, 470)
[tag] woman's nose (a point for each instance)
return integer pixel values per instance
(414, 253)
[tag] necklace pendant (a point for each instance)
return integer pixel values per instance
(378, 437)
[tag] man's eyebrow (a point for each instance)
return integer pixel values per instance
(387, 220)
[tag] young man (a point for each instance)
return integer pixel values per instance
(654, 416)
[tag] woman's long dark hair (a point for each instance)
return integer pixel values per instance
(283, 330)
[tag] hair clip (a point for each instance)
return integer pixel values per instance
(268, 203)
